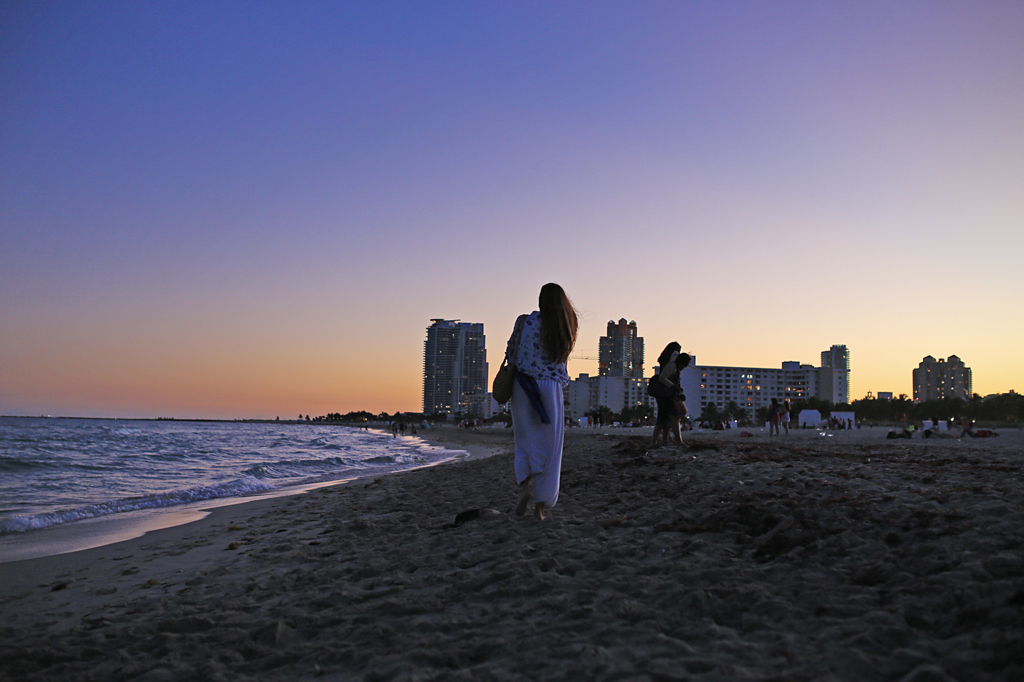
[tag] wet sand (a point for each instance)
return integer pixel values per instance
(847, 557)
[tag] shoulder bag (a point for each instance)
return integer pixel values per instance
(501, 389)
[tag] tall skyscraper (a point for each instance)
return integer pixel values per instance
(836, 357)
(834, 375)
(937, 379)
(454, 366)
(621, 352)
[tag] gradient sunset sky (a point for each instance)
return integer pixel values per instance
(254, 209)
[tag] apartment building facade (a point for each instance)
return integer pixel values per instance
(454, 368)
(621, 351)
(937, 379)
(587, 393)
(754, 387)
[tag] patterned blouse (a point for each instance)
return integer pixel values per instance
(531, 358)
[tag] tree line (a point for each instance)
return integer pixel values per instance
(361, 416)
(1001, 409)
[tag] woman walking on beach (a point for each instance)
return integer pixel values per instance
(546, 337)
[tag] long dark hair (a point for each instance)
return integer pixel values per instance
(671, 348)
(558, 323)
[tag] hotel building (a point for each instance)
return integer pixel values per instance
(454, 368)
(937, 379)
(750, 387)
(621, 351)
(586, 393)
(754, 387)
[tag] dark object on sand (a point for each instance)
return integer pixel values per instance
(465, 516)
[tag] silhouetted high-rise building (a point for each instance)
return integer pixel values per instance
(937, 379)
(621, 352)
(454, 367)
(834, 375)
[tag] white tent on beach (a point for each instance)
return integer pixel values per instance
(810, 419)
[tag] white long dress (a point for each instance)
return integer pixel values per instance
(538, 445)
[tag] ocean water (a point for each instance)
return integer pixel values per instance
(57, 472)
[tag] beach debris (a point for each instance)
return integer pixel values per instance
(58, 587)
(234, 545)
(468, 515)
(471, 515)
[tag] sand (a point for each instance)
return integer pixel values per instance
(847, 557)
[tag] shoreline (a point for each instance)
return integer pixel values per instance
(477, 443)
(727, 558)
(112, 529)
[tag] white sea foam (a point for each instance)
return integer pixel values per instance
(173, 498)
(57, 471)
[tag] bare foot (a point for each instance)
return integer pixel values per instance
(538, 511)
(524, 501)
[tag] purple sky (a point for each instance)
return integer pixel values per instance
(255, 209)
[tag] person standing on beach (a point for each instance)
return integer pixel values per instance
(784, 410)
(668, 394)
(773, 418)
(546, 338)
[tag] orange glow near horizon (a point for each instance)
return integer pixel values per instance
(249, 385)
(178, 243)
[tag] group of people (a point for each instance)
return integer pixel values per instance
(399, 427)
(840, 424)
(664, 387)
(968, 430)
(778, 415)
